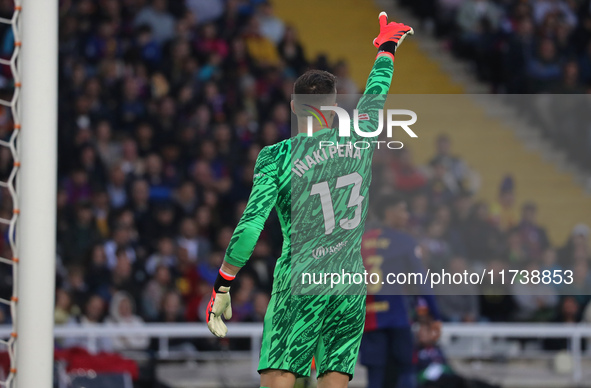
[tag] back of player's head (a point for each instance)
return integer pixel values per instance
(315, 82)
(316, 88)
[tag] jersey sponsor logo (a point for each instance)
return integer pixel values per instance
(363, 117)
(320, 252)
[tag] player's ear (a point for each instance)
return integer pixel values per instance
(292, 105)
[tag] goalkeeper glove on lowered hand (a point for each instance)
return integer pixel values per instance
(219, 304)
(391, 35)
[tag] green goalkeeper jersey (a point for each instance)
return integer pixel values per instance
(319, 186)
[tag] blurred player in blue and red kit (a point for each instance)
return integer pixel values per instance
(387, 345)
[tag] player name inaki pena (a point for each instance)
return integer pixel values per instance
(300, 166)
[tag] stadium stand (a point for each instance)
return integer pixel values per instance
(521, 47)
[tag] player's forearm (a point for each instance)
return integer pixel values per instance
(229, 268)
(261, 202)
(244, 240)
(380, 77)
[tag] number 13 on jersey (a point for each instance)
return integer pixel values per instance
(355, 200)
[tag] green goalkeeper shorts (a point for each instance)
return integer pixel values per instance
(297, 327)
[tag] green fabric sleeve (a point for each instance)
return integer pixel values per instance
(376, 92)
(262, 199)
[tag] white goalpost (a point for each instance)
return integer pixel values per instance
(36, 225)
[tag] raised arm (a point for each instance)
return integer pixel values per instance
(262, 199)
(380, 78)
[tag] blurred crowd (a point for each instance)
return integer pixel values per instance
(522, 47)
(457, 232)
(163, 108)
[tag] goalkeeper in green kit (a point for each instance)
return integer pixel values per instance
(320, 195)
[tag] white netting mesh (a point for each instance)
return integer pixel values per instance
(9, 142)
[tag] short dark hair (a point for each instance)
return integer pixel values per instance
(315, 82)
(313, 88)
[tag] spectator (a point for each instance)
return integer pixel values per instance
(76, 286)
(206, 10)
(407, 176)
(497, 304)
(64, 309)
(419, 214)
(550, 262)
(158, 19)
(543, 8)
(519, 48)
(98, 275)
(80, 237)
(172, 308)
(121, 243)
(77, 186)
(165, 255)
(471, 13)
(292, 52)
(197, 247)
(101, 210)
(260, 303)
(122, 275)
(271, 26)
(260, 48)
(108, 150)
(460, 302)
(154, 292)
(580, 286)
(516, 252)
(577, 245)
(569, 312)
(435, 248)
(130, 161)
(532, 235)
(117, 187)
(453, 165)
(121, 314)
(536, 301)
(441, 186)
(162, 224)
(208, 270)
(503, 212)
(5, 317)
(544, 69)
(345, 85)
(483, 239)
(242, 306)
(94, 311)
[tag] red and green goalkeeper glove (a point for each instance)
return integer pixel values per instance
(391, 34)
(219, 305)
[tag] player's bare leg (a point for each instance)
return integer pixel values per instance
(277, 379)
(333, 380)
